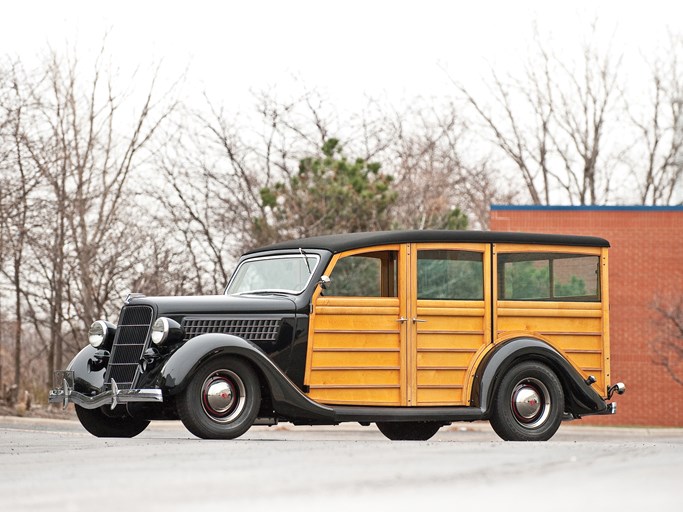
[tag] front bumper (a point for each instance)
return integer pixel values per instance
(65, 393)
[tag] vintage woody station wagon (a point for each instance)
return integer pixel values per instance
(411, 330)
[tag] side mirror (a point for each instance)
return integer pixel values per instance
(324, 281)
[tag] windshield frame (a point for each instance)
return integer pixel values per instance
(295, 255)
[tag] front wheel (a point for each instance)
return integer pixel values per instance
(100, 425)
(408, 430)
(222, 399)
(528, 404)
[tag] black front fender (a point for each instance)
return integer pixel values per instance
(287, 398)
(86, 381)
(580, 398)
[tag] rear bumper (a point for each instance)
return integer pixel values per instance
(65, 393)
(611, 409)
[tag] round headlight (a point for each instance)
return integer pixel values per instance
(166, 330)
(97, 333)
(160, 330)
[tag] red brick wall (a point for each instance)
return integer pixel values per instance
(646, 264)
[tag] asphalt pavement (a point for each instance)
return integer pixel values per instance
(55, 465)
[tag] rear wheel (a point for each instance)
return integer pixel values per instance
(528, 403)
(222, 399)
(408, 430)
(100, 425)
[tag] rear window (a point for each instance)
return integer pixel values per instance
(549, 277)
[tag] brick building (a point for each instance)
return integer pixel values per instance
(646, 265)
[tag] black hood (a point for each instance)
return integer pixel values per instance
(218, 304)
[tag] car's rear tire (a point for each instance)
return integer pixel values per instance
(528, 403)
(408, 430)
(221, 400)
(99, 424)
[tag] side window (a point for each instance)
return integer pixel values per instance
(372, 274)
(548, 276)
(450, 275)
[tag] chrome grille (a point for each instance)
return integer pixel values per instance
(249, 329)
(132, 336)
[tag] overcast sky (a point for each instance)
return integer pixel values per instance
(347, 50)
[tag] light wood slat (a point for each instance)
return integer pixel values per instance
(369, 331)
(357, 349)
(355, 386)
(464, 350)
(454, 368)
(349, 368)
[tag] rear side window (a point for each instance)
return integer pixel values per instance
(549, 277)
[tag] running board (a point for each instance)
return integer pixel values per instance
(372, 414)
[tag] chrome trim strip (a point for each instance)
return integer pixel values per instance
(114, 394)
(113, 397)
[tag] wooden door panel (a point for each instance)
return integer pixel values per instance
(356, 358)
(447, 334)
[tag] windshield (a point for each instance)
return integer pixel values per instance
(288, 274)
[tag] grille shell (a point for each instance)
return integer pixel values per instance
(131, 339)
(251, 329)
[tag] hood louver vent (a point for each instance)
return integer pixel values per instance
(249, 329)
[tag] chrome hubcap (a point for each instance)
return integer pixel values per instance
(223, 396)
(530, 403)
(220, 395)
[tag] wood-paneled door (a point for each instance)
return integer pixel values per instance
(449, 320)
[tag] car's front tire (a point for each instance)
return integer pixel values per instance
(528, 404)
(101, 425)
(221, 400)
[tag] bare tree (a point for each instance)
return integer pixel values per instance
(15, 209)
(72, 228)
(551, 121)
(214, 172)
(439, 185)
(5, 151)
(657, 152)
(667, 348)
(220, 165)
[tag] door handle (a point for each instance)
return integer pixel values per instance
(401, 320)
(416, 320)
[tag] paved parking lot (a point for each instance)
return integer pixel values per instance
(56, 465)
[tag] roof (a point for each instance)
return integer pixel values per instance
(349, 241)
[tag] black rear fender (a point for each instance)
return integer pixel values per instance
(580, 398)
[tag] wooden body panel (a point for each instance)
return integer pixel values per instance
(405, 351)
(355, 357)
(578, 330)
